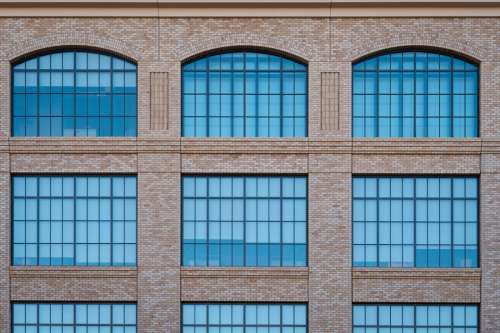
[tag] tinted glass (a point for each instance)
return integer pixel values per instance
(415, 94)
(74, 94)
(410, 318)
(234, 317)
(415, 222)
(244, 221)
(74, 220)
(73, 318)
(244, 94)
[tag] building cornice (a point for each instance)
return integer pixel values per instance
(250, 8)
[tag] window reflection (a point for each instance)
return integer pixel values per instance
(74, 220)
(244, 94)
(415, 222)
(244, 221)
(74, 93)
(415, 94)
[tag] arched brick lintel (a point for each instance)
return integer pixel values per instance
(466, 51)
(281, 46)
(39, 45)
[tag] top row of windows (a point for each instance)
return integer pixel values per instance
(246, 94)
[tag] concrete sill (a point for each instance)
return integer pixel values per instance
(72, 272)
(417, 273)
(245, 272)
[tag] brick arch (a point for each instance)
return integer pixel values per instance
(467, 51)
(277, 45)
(67, 41)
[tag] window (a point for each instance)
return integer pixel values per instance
(74, 220)
(244, 221)
(415, 94)
(415, 221)
(73, 317)
(233, 317)
(74, 93)
(408, 318)
(244, 94)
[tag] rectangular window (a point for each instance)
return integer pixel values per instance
(74, 220)
(409, 318)
(244, 221)
(73, 318)
(415, 221)
(233, 317)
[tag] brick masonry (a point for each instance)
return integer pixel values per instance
(329, 156)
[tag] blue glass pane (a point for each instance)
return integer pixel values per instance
(69, 83)
(244, 93)
(416, 94)
(433, 226)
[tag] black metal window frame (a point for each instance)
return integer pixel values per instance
(244, 325)
(244, 243)
(73, 221)
(414, 221)
(414, 307)
(401, 94)
(74, 324)
(232, 94)
(74, 93)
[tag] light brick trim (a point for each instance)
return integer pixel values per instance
(159, 101)
(330, 100)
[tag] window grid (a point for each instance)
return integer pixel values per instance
(243, 317)
(408, 318)
(455, 242)
(232, 95)
(74, 239)
(74, 317)
(86, 94)
(255, 232)
(424, 95)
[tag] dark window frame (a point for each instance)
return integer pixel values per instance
(244, 51)
(427, 50)
(98, 52)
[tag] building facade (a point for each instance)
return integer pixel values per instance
(249, 166)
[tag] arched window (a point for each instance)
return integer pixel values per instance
(74, 93)
(244, 94)
(415, 94)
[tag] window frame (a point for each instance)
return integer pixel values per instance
(416, 49)
(257, 51)
(414, 198)
(244, 175)
(415, 305)
(74, 304)
(74, 176)
(88, 50)
(244, 304)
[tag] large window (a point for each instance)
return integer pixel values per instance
(244, 318)
(74, 220)
(73, 318)
(244, 94)
(438, 318)
(74, 93)
(244, 221)
(415, 221)
(415, 94)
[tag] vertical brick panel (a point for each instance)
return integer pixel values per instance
(159, 101)
(330, 100)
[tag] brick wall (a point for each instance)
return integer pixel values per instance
(329, 156)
